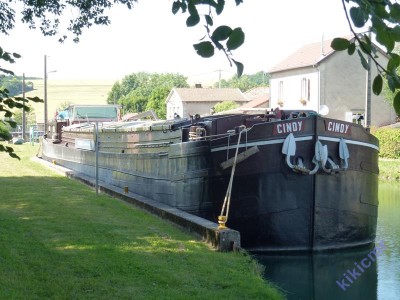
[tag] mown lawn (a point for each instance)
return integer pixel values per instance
(61, 241)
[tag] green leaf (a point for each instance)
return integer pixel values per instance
(192, 20)
(209, 20)
(380, 11)
(239, 67)
(364, 62)
(16, 55)
(175, 7)
(395, 33)
(13, 124)
(384, 37)
(7, 71)
(221, 33)
(340, 44)
(395, 12)
(365, 47)
(396, 103)
(35, 99)
(192, 8)
(358, 16)
(393, 63)
(236, 39)
(238, 2)
(204, 49)
(351, 49)
(13, 155)
(391, 83)
(220, 6)
(377, 85)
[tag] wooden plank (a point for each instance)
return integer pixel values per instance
(241, 157)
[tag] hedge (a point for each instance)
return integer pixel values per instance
(389, 142)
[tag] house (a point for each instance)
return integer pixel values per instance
(316, 75)
(185, 102)
(258, 97)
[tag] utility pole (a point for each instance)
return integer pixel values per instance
(45, 95)
(367, 116)
(219, 79)
(23, 110)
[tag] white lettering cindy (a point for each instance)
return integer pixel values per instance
(338, 127)
(289, 127)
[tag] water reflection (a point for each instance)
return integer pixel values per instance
(350, 274)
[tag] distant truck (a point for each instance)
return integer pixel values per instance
(75, 114)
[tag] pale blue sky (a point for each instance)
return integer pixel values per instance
(150, 38)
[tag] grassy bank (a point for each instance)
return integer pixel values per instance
(389, 169)
(60, 241)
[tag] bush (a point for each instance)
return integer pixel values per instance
(389, 142)
(226, 105)
(5, 134)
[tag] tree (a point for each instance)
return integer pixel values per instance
(30, 116)
(5, 134)
(245, 82)
(157, 101)
(383, 16)
(64, 105)
(135, 90)
(223, 38)
(14, 85)
(46, 16)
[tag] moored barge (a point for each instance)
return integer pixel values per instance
(286, 180)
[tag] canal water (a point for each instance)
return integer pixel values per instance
(368, 274)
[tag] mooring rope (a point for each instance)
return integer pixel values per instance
(222, 219)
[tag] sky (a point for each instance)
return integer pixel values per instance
(150, 38)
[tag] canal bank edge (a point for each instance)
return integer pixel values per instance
(221, 239)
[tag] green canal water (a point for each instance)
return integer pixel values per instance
(369, 274)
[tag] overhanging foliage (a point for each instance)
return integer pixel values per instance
(383, 19)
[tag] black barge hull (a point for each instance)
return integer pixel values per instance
(277, 203)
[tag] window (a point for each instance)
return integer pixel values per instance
(305, 89)
(280, 90)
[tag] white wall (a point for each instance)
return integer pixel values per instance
(338, 82)
(344, 85)
(292, 90)
(174, 105)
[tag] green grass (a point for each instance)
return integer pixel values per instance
(60, 241)
(389, 169)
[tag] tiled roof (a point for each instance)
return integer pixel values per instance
(306, 56)
(210, 94)
(257, 92)
(262, 101)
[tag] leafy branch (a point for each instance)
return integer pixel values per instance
(8, 103)
(223, 38)
(384, 17)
